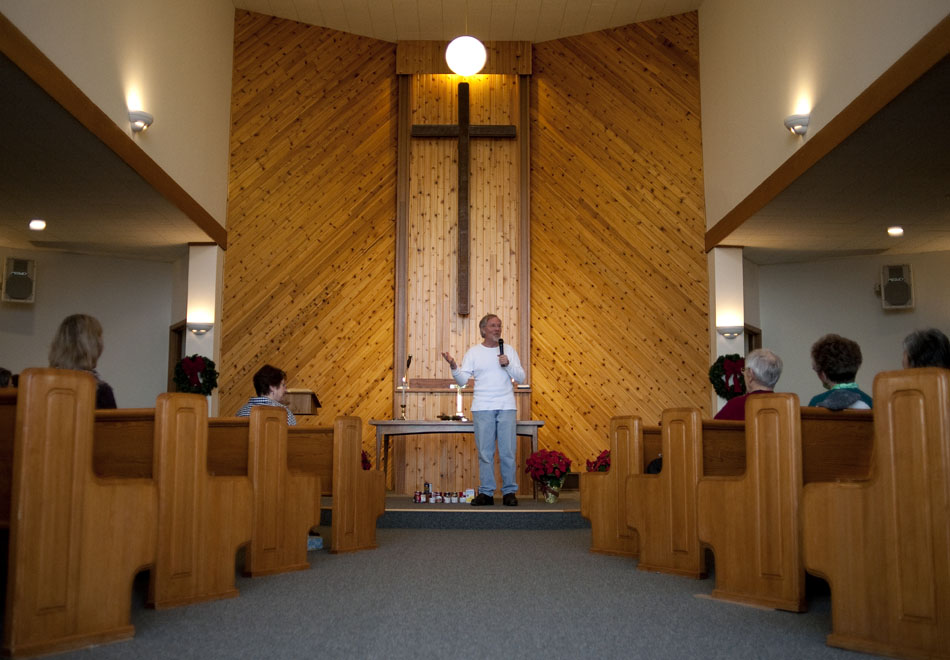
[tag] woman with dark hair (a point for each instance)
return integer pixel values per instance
(836, 360)
(78, 345)
(926, 348)
(270, 384)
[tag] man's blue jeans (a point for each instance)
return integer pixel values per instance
(491, 426)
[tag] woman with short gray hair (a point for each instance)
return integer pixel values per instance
(761, 373)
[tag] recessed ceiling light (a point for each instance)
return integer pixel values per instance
(895, 231)
(37, 225)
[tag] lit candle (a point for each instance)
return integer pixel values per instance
(458, 400)
(404, 388)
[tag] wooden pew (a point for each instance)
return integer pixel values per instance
(662, 507)
(883, 545)
(123, 441)
(836, 446)
(357, 496)
(286, 503)
(76, 540)
(751, 522)
(7, 428)
(602, 492)
(201, 520)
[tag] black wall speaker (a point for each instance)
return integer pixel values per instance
(897, 289)
(19, 280)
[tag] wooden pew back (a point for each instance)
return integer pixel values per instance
(884, 544)
(76, 541)
(201, 521)
(602, 492)
(7, 429)
(751, 522)
(286, 504)
(359, 496)
(662, 507)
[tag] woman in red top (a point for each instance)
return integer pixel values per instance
(761, 373)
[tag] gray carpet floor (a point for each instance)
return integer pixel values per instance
(473, 594)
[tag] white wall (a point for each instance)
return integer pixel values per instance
(173, 55)
(800, 302)
(760, 59)
(132, 299)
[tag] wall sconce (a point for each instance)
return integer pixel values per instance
(729, 331)
(200, 328)
(797, 124)
(465, 56)
(140, 119)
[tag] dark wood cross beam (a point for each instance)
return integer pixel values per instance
(464, 131)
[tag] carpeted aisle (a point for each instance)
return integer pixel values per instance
(473, 594)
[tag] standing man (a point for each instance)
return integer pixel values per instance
(270, 383)
(493, 365)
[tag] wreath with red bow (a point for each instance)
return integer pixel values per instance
(196, 374)
(725, 374)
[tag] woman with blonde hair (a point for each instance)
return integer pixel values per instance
(78, 345)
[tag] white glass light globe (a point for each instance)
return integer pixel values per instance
(465, 56)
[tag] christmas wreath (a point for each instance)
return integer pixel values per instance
(725, 374)
(196, 374)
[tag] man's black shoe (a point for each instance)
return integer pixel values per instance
(483, 500)
(509, 500)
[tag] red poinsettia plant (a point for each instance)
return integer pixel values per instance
(601, 463)
(547, 466)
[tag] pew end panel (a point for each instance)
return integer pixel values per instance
(602, 493)
(359, 496)
(7, 430)
(752, 522)
(202, 521)
(286, 503)
(77, 542)
(662, 507)
(884, 544)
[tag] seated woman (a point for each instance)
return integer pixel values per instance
(836, 360)
(761, 372)
(926, 348)
(78, 345)
(270, 383)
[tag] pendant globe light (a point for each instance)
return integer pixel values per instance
(465, 56)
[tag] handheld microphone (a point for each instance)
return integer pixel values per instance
(501, 346)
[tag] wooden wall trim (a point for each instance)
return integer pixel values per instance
(426, 57)
(914, 63)
(31, 60)
(402, 234)
(524, 241)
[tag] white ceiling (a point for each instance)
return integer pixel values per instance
(894, 168)
(51, 167)
(489, 20)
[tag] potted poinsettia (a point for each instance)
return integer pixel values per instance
(549, 469)
(601, 463)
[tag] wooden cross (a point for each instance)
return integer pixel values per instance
(464, 131)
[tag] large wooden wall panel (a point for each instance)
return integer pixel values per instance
(619, 282)
(308, 276)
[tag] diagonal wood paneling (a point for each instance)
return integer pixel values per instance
(619, 282)
(308, 276)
